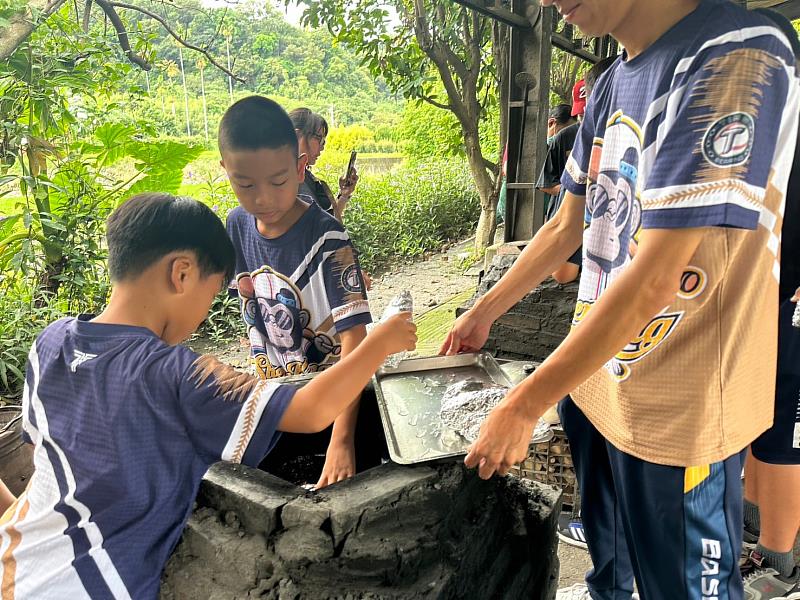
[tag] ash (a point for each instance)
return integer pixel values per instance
(466, 404)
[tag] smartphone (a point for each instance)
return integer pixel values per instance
(349, 173)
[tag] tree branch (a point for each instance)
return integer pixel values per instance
(21, 25)
(433, 102)
(177, 38)
(122, 34)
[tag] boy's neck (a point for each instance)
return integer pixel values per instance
(128, 306)
(648, 20)
(286, 222)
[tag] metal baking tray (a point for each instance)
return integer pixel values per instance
(410, 398)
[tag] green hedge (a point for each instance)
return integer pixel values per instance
(400, 214)
(411, 210)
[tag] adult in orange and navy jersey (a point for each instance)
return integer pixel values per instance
(685, 150)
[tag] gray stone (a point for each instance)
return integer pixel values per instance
(254, 496)
(305, 511)
(536, 325)
(304, 544)
(391, 533)
(375, 488)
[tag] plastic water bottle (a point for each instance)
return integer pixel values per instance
(403, 302)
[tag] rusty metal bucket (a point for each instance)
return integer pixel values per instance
(16, 457)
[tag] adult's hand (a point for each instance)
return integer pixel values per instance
(347, 185)
(504, 439)
(469, 334)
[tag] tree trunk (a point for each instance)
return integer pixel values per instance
(228, 56)
(487, 224)
(185, 94)
(205, 106)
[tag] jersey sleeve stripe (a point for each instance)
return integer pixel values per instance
(247, 422)
(325, 237)
(726, 191)
(740, 36)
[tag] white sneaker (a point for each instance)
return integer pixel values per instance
(579, 591)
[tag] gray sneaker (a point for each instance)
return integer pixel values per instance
(766, 584)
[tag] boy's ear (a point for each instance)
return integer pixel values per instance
(181, 269)
(222, 162)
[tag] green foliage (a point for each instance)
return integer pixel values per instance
(410, 211)
(22, 321)
(296, 66)
(224, 322)
(351, 137)
(428, 131)
(71, 166)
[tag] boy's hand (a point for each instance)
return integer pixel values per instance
(396, 334)
(340, 463)
(796, 297)
(469, 334)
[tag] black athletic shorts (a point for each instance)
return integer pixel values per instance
(780, 445)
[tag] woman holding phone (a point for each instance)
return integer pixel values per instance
(312, 130)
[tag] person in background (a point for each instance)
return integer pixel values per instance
(772, 469)
(570, 528)
(312, 132)
(559, 147)
(579, 97)
(561, 131)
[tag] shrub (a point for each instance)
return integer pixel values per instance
(410, 211)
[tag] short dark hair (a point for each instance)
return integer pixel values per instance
(307, 122)
(149, 226)
(562, 113)
(593, 74)
(254, 123)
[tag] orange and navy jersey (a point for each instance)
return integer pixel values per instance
(698, 131)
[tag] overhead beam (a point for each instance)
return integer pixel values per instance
(574, 47)
(496, 12)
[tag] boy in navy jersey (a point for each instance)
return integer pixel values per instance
(125, 422)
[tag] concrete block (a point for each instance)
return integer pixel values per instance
(304, 544)
(255, 496)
